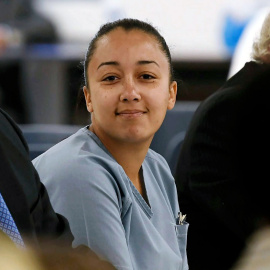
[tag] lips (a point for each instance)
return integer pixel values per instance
(130, 113)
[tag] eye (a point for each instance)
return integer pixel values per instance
(110, 78)
(147, 77)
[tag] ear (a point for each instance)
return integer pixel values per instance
(88, 101)
(172, 95)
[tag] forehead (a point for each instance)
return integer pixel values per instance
(121, 33)
(133, 42)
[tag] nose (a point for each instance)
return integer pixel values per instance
(130, 92)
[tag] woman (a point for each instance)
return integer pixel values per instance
(119, 196)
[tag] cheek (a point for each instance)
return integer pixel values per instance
(160, 99)
(103, 102)
(160, 106)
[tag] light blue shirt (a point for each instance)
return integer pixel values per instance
(105, 210)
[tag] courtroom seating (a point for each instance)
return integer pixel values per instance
(172, 151)
(168, 139)
(40, 137)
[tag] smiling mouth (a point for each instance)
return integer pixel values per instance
(130, 114)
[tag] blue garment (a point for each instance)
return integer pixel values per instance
(8, 225)
(105, 210)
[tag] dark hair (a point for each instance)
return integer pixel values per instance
(126, 24)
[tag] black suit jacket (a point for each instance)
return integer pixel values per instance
(220, 173)
(24, 194)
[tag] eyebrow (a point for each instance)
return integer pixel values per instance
(146, 62)
(110, 63)
(115, 63)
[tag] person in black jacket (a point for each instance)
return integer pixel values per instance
(221, 171)
(24, 194)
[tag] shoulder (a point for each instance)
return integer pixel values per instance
(158, 166)
(11, 132)
(215, 120)
(79, 163)
(228, 99)
(238, 93)
(155, 159)
(245, 74)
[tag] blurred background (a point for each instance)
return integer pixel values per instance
(43, 42)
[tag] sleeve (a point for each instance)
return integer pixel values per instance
(51, 228)
(88, 196)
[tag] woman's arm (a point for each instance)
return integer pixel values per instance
(88, 196)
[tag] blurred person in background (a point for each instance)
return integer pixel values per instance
(63, 258)
(256, 254)
(243, 50)
(49, 257)
(14, 258)
(20, 25)
(237, 17)
(221, 174)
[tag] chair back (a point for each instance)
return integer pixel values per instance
(168, 139)
(40, 137)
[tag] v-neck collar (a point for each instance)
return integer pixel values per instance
(141, 201)
(144, 205)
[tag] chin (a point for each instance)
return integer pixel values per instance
(138, 138)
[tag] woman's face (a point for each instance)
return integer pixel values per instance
(129, 86)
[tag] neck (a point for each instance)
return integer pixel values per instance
(129, 155)
(131, 158)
